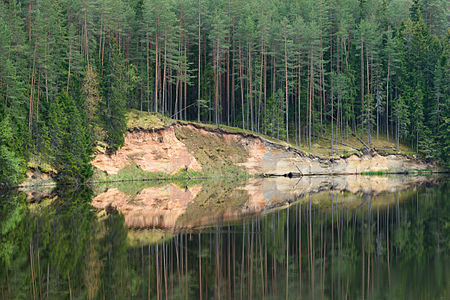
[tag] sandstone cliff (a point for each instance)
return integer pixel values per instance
(209, 150)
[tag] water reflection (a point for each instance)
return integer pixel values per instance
(173, 206)
(329, 244)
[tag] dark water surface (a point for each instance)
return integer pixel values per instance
(330, 244)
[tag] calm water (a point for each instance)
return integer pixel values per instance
(329, 244)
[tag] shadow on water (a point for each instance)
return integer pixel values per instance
(318, 239)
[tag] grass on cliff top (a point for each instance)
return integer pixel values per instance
(143, 120)
(321, 146)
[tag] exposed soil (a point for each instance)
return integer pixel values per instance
(216, 152)
(158, 151)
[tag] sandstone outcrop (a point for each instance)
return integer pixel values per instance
(158, 151)
(190, 146)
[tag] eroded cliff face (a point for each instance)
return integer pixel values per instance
(192, 147)
(158, 151)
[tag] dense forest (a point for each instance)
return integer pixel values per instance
(294, 70)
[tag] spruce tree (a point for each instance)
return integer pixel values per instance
(12, 169)
(113, 107)
(70, 141)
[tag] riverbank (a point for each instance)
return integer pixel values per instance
(158, 148)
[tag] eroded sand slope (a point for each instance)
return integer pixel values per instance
(183, 146)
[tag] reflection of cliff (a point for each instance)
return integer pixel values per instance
(152, 207)
(174, 207)
(282, 190)
(217, 202)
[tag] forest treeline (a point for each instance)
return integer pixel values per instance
(295, 70)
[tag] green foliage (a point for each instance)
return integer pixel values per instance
(274, 119)
(12, 212)
(441, 104)
(114, 86)
(70, 143)
(144, 55)
(368, 117)
(92, 98)
(12, 169)
(402, 118)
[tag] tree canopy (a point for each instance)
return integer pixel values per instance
(296, 70)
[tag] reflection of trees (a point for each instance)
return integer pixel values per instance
(12, 239)
(56, 250)
(336, 252)
(331, 250)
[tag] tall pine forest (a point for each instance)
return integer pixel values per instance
(294, 70)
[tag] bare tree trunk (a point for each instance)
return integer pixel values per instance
(250, 84)
(148, 70)
(233, 109)
(185, 77)
(103, 48)
(311, 96)
(242, 85)
(199, 65)
(265, 83)
(156, 67)
(228, 84)
(260, 90)
(322, 89)
(332, 121)
(176, 95)
(164, 73)
(85, 34)
(30, 115)
(299, 100)
(362, 78)
(100, 38)
(387, 98)
(286, 88)
(216, 97)
(369, 122)
(68, 72)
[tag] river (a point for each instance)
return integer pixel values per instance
(275, 238)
